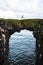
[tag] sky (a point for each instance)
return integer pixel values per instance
(18, 8)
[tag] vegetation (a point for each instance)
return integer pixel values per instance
(22, 23)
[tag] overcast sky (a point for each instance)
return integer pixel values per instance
(17, 8)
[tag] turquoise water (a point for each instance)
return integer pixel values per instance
(21, 48)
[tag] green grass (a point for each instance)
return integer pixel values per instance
(21, 23)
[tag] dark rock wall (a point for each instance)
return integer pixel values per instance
(4, 45)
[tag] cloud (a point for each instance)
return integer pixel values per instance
(17, 8)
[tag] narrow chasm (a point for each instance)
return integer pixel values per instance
(22, 49)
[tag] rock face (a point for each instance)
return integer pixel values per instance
(39, 51)
(38, 34)
(3, 44)
(6, 31)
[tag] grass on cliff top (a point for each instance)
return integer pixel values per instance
(20, 23)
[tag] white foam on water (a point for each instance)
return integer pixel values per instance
(22, 34)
